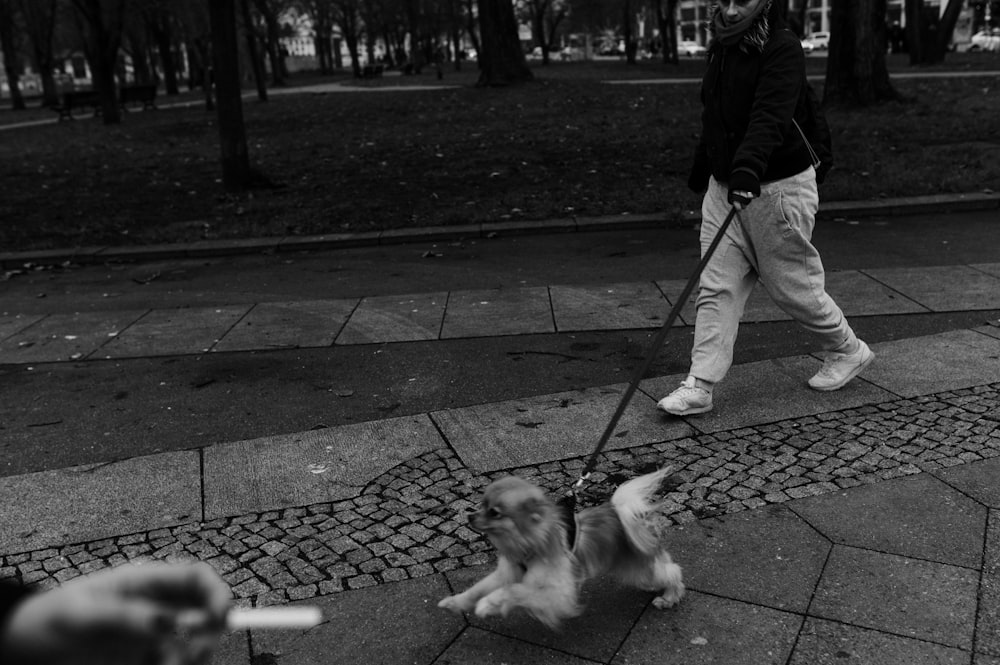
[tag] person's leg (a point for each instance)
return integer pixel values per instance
(792, 272)
(725, 285)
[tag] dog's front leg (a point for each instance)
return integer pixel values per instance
(468, 599)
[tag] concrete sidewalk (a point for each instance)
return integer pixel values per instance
(813, 528)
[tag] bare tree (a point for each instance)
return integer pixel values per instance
(666, 21)
(270, 10)
(928, 34)
(195, 32)
(321, 12)
(101, 22)
(40, 25)
(347, 16)
(256, 63)
(501, 60)
(11, 47)
(856, 71)
(160, 23)
(236, 173)
(545, 17)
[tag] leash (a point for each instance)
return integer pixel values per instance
(654, 348)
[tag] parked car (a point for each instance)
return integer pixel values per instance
(986, 40)
(820, 40)
(807, 46)
(690, 48)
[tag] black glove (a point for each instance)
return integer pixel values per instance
(743, 188)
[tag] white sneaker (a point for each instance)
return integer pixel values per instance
(839, 368)
(687, 400)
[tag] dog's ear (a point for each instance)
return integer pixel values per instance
(535, 508)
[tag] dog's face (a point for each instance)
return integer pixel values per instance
(516, 516)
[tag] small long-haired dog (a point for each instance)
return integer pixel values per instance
(541, 566)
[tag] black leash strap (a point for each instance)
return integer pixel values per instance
(654, 348)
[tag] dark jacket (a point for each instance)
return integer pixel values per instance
(749, 98)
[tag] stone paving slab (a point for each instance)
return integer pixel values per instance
(492, 312)
(919, 517)
(553, 427)
(403, 318)
(479, 647)
(989, 268)
(858, 294)
(13, 323)
(609, 307)
(978, 481)
(992, 330)
(934, 363)
(830, 643)
(988, 619)
(65, 336)
(309, 467)
(943, 288)
(707, 629)
(285, 325)
(386, 625)
(769, 391)
(899, 595)
(781, 557)
(167, 332)
(85, 503)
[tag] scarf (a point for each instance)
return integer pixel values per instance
(731, 35)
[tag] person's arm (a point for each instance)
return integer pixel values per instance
(777, 94)
(125, 615)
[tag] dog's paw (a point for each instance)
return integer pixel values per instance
(668, 598)
(490, 605)
(453, 604)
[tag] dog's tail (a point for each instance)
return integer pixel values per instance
(633, 501)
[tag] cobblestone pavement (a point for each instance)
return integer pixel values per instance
(408, 523)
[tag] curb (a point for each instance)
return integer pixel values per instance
(838, 210)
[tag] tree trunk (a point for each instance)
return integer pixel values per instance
(102, 41)
(914, 10)
(856, 71)
(229, 100)
(501, 59)
(40, 21)
(255, 60)
(628, 32)
(161, 33)
(10, 67)
(141, 71)
(11, 58)
(946, 28)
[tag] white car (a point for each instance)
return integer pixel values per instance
(807, 46)
(690, 48)
(986, 40)
(820, 40)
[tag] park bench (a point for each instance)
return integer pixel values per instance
(76, 99)
(140, 94)
(127, 94)
(372, 71)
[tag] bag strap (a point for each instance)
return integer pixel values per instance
(812, 153)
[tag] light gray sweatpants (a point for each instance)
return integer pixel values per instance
(769, 240)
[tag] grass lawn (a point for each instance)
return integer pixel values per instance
(568, 144)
